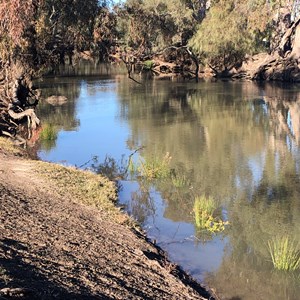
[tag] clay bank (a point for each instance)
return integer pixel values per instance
(62, 237)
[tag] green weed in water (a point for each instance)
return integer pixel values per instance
(132, 168)
(154, 167)
(285, 253)
(179, 181)
(204, 208)
(48, 133)
(205, 204)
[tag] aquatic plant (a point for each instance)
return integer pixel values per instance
(205, 204)
(204, 208)
(132, 167)
(155, 167)
(179, 181)
(48, 132)
(285, 253)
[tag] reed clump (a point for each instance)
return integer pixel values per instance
(179, 181)
(48, 133)
(204, 208)
(285, 253)
(155, 167)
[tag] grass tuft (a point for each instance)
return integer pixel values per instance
(48, 132)
(205, 204)
(285, 253)
(204, 209)
(154, 167)
(7, 146)
(179, 181)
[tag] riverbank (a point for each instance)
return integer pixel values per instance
(62, 237)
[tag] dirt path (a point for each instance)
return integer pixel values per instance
(52, 247)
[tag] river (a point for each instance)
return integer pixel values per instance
(236, 143)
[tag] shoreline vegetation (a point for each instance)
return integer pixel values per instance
(63, 237)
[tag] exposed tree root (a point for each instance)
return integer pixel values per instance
(18, 100)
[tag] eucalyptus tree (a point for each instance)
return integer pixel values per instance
(150, 25)
(233, 29)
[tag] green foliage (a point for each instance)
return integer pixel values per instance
(155, 167)
(206, 204)
(148, 64)
(179, 181)
(204, 208)
(285, 253)
(233, 29)
(48, 133)
(48, 136)
(41, 32)
(154, 24)
(222, 37)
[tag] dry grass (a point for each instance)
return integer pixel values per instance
(7, 146)
(85, 187)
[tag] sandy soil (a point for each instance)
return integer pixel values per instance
(52, 247)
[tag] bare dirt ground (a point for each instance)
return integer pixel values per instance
(52, 247)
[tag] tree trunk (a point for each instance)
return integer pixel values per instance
(283, 64)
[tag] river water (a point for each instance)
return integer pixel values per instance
(234, 142)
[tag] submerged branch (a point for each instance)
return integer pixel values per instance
(129, 66)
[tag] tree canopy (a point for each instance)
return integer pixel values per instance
(221, 32)
(233, 29)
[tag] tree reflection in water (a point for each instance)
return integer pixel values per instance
(235, 142)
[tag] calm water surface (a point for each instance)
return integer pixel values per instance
(235, 142)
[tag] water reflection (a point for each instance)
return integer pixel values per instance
(235, 142)
(239, 146)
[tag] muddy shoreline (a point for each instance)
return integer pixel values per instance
(54, 245)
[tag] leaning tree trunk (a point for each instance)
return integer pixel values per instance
(284, 63)
(18, 99)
